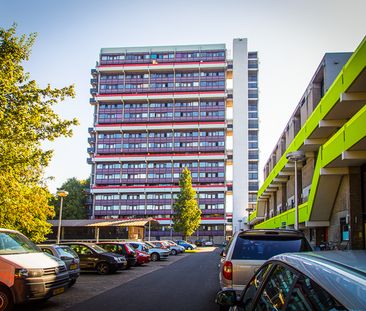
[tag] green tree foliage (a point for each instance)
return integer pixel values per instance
(26, 120)
(74, 205)
(187, 215)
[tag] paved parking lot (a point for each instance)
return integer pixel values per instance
(90, 284)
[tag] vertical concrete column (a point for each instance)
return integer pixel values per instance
(355, 211)
(240, 131)
(274, 203)
(284, 197)
(299, 185)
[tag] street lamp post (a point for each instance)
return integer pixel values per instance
(62, 194)
(296, 156)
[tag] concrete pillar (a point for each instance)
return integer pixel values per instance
(355, 212)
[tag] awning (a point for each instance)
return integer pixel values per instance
(124, 223)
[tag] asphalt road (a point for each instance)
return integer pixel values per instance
(188, 284)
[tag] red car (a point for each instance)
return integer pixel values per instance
(142, 257)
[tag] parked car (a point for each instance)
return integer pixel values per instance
(163, 246)
(26, 272)
(175, 246)
(121, 248)
(331, 280)
(68, 256)
(154, 252)
(93, 257)
(142, 257)
(203, 242)
(185, 244)
(248, 250)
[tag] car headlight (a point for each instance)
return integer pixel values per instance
(20, 273)
(35, 272)
(118, 259)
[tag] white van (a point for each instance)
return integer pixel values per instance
(26, 273)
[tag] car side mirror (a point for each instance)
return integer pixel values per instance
(226, 298)
(222, 254)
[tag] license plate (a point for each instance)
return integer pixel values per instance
(58, 291)
(73, 266)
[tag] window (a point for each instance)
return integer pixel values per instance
(278, 285)
(253, 286)
(307, 295)
(264, 247)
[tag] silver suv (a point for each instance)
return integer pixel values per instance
(248, 250)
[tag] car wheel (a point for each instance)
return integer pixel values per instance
(155, 257)
(189, 248)
(103, 268)
(72, 282)
(174, 252)
(6, 300)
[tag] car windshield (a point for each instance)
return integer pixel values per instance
(66, 251)
(15, 243)
(263, 248)
(97, 249)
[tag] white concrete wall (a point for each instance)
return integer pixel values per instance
(240, 132)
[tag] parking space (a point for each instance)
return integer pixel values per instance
(90, 284)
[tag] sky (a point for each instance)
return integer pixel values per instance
(291, 37)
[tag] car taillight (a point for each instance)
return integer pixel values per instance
(227, 270)
(127, 250)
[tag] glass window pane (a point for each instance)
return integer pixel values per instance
(307, 295)
(251, 290)
(278, 285)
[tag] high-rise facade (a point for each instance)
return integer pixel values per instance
(160, 109)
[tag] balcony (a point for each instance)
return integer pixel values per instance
(93, 81)
(91, 140)
(89, 160)
(93, 91)
(90, 150)
(91, 130)
(92, 101)
(93, 72)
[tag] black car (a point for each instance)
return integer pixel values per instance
(93, 257)
(120, 248)
(203, 242)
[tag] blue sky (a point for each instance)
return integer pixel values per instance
(290, 36)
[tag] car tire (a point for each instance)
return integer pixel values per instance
(189, 248)
(72, 282)
(174, 252)
(222, 308)
(6, 299)
(103, 268)
(155, 257)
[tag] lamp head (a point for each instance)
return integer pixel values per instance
(62, 193)
(295, 156)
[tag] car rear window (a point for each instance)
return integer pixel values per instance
(66, 251)
(264, 247)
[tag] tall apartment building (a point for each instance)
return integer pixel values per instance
(158, 109)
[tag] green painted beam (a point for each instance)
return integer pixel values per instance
(287, 218)
(252, 216)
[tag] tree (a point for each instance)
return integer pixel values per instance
(74, 205)
(187, 215)
(26, 120)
